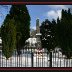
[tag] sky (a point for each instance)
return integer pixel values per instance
(37, 11)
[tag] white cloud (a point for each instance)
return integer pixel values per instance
(54, 14)
(58, 6)
(55, 11)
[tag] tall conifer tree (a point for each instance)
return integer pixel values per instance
(8, 34)
(22, 22)
(64, 32)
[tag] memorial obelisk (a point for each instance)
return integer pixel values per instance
(38, 35)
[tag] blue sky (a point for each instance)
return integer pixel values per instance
(37, 11)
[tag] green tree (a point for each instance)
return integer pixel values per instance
(64, 32)
(22, 22)
(8, 34)
(48, 34)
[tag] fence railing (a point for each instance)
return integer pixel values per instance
(36, 58)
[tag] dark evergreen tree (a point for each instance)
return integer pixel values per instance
(64, 32)
(22, 22)
(8, 34)
(48, 34)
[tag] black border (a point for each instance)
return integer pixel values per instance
(36, 68)
(35, 0)
(38, 3)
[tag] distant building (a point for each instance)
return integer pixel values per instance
(37, 26)
(33, 33)
(34, 39)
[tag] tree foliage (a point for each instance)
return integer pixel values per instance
(48, 34)
(64, 32)
(22, 22)
(8, 34)
(15, 30)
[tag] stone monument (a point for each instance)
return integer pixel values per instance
(38, 35)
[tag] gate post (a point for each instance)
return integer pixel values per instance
(50, 57)
(32, 59)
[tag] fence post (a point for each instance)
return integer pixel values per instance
(32, 59)
(50, 57)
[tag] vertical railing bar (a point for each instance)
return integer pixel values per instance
(19, 60)
(15, 58)
(71, 62)
(69, 59)
(31, 57)
(24, 55)
(53, 58)
(6, 62)
(60, 62)
(62, 58)
(58, 59)
(36, 59)
(42, 59)
(44, 56)
(21, 57)
(0, 59)
(27, 56)
(47, 59)
(50, 58)
(10, 62)
(64, 61)
(24, 58)
(33, 50)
